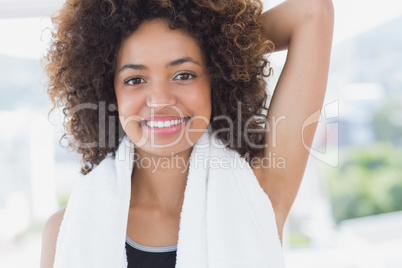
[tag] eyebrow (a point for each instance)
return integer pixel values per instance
(170, 64)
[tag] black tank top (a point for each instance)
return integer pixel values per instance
(139, 256)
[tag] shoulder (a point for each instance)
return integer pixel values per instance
(49, 238)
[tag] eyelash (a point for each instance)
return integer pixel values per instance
(187, 73)
(128, 80)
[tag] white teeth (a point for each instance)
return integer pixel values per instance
(161, 124)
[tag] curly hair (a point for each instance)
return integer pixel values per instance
(80, 64)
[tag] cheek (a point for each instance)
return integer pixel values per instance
(201, 106)
(129, 108)
(127, 103)
(206, 101)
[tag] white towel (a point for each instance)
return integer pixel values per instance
(227, 220)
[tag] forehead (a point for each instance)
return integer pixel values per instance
(155, 41)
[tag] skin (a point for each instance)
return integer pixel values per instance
(298, 96)
(163, 89)
(305, 28)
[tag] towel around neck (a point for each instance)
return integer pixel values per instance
(227, 220)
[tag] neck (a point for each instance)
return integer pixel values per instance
(159, 181)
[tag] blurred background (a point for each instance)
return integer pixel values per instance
(348, 213)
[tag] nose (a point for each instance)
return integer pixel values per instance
(160, 95)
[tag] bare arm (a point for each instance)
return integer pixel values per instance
(305, 27)
(49, 239)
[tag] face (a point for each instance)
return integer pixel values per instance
(162, 88)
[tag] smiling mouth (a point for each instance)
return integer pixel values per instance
(164, 123)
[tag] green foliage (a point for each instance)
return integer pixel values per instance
(387, 121)
(298, 239)
(367, 182)
(63, 199)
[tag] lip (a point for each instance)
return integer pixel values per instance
(162, 117)
(166, 130)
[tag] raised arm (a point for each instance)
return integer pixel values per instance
(305, 28)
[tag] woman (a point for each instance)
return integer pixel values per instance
(171, 69)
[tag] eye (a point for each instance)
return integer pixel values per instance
(185, 76)
(134, 81)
